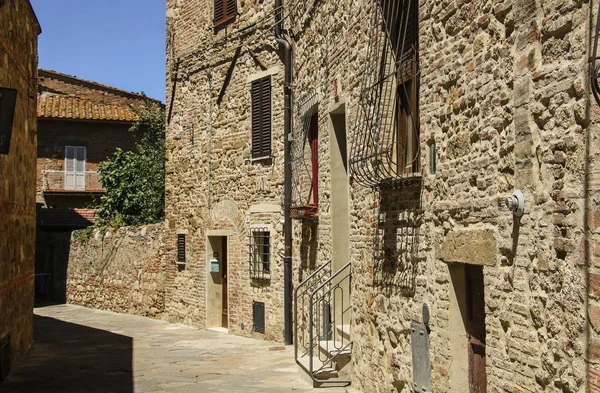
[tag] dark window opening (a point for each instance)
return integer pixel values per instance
(180, 248)
(313, 138)
(261, 118)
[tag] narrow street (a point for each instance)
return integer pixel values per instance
(84, 350)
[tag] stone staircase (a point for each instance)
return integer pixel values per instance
(323, 346)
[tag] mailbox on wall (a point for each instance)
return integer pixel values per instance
(214, 265)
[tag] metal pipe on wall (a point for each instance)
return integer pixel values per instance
(287, 193)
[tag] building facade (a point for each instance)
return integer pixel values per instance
(18, 67)
(418, 129)
(80, 124)
(223, 169)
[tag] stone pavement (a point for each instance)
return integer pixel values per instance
(84, 350)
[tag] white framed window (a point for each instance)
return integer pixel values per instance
(75, 167)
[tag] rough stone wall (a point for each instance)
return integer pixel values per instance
(18, 64)
(118, 270)
(503, 92)
(213, 187)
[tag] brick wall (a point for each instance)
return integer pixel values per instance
(58, 83)
(100, 139)
(18, 64)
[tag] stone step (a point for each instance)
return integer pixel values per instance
(344, 331)
(336, 348)
(327, 372)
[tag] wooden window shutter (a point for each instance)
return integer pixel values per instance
(261, 117)
(225, 11)
(181, 248)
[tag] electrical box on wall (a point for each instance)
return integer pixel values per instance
(214, 265)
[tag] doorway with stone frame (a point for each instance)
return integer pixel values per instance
(467, 324)
(217, 315)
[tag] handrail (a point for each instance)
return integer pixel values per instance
(305, 281)
(324, 302)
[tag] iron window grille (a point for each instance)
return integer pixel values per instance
(261, 117)
(385, 149)
(259, 253)
(181, 249)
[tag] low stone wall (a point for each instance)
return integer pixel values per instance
(118, 270)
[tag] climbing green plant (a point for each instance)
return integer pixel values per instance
(135, 180)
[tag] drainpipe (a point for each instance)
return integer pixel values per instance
(287, 162)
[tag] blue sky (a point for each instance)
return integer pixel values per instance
(119, 43)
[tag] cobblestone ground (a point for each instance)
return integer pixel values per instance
(83, 350)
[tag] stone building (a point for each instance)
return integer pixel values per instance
(419, 127)
(80, 124)
(223, 178)
(18, 67)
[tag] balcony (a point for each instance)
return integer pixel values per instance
(71, 182)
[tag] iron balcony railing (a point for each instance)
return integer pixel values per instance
(385, 144)
(322, 316)
(57, 181)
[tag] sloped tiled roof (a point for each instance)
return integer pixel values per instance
(72, 79)
(59, 106)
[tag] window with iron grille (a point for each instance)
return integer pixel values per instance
(225, 11)
(385, 149)
(261, 117)
(259, 253)
(404, 36)
(181, 248)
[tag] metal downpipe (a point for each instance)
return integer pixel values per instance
(287, 185)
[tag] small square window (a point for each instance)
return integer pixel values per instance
(259, 253)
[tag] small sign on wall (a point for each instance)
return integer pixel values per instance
(8, 99)
(214, 265)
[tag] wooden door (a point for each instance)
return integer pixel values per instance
(476, 328)
(224, 313)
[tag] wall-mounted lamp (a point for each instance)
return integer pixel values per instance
(8, 99)
(516, 203)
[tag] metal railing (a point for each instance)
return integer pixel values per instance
(324, 315)
(77, 181)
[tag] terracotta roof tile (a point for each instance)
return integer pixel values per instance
(67, 107)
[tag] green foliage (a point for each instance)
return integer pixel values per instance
(82, 235)
(135, 180)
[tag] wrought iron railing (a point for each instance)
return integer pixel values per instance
(78, 181)
(301, 307)
(385, 144)
(325, 303)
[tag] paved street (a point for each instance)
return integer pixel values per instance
(83, 350)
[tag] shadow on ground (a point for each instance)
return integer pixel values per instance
(67, 357)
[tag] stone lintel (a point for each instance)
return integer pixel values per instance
(264, 208)
(472, 246)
